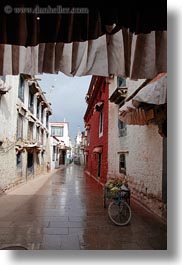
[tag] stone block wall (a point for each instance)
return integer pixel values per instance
(144, 166)
(143, 148)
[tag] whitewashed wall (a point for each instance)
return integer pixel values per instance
(8, 128)
(144, 148)
(8, 119)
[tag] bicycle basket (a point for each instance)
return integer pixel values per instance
(111, 194)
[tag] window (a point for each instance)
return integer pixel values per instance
(122, 128)
(88, 137)
(47, 120)
(30, 163)
(57, 131)
(101, 122)
(19, 130)
(42, 158)
(57, 152)
(30, 131)
(21, 88)
(19, 160)
(121, 82)
(99, 164)
(37, 134)
(42, 114)
(53, 153)
(31, 101)
(122, 164)
(42, 137)
(38, 104)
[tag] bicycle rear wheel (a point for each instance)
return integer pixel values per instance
(119, 213)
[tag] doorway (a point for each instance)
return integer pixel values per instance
(30, 165)
(62, 157)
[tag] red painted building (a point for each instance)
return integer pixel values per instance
(96, 123)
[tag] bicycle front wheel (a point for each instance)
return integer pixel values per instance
(119, 213)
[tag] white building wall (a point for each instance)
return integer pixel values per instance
(8, 129)
(65, 137)
(8, 118)
(54, 163)
(113, 139)
(143, 147)
(144, 161)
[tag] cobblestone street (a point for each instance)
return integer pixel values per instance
(64, 210)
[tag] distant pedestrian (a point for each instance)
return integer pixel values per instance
(48, 167)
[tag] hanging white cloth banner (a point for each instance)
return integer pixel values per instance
(123, 53)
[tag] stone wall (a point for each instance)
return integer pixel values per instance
(144, 166)
(143, 148)
(8, 118)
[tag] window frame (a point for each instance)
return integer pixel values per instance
(56, 134)
(101, 122)
(31, 101)
(19, 129)
(21, 88)
(53, 153)
(122, 169)
(30, 130)
(122, 126)
(99, 165)
(19, 160)
(121, 82)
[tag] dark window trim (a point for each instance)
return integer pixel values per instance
(122, 169)
(21, 88)
(101, 122)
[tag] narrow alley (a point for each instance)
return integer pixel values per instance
(64, 210)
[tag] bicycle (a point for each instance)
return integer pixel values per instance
(119, 210)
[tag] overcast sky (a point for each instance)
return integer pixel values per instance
(67, 95)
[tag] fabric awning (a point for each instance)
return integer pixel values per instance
(97, 149)
(131, 115)
(136, 116)
(155, 93)
(124, 54)
(128, 40)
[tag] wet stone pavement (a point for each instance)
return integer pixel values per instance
(67, 213)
